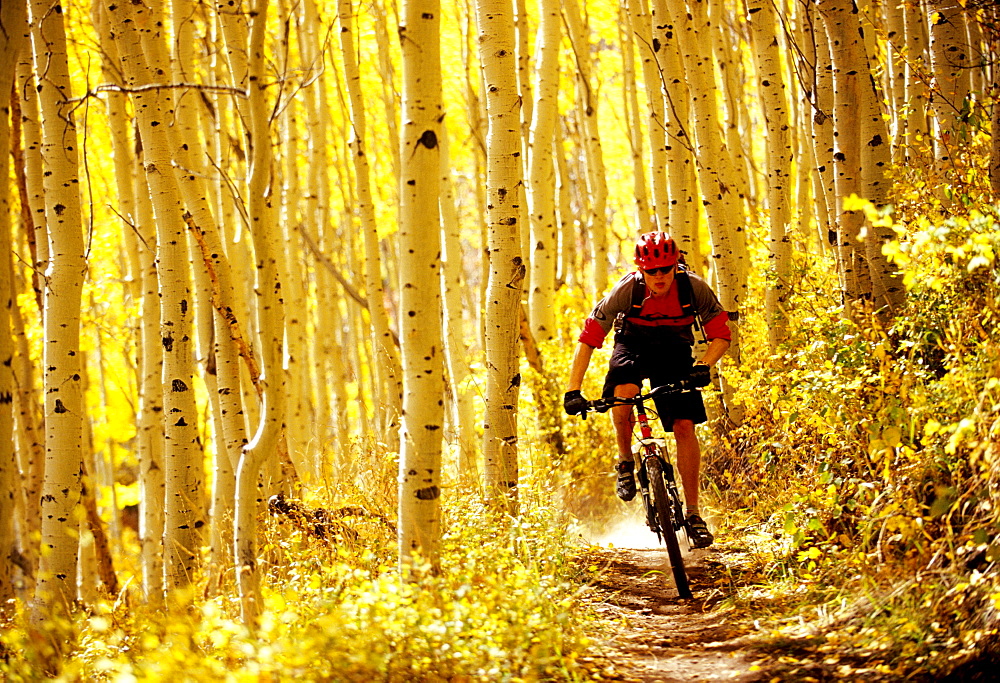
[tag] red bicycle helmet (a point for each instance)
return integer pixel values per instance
(656, 250)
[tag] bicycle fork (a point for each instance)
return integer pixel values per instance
(646, 452)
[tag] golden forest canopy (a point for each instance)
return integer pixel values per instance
(276, 251)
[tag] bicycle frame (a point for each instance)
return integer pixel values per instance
(649, 450)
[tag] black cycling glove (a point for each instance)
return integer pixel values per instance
(574, 403)
(700, 375)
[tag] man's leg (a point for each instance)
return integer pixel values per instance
(688, 460)
(623, 418)
(689, 464)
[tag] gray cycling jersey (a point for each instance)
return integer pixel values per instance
(663, 313)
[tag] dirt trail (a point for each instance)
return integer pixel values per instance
(655, 636)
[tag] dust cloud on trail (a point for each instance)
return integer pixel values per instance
(623, 532)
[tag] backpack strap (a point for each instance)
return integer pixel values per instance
(638, 296)
(685, 295)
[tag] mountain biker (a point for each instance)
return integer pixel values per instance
(654, 340)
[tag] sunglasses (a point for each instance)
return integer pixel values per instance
(657, 271)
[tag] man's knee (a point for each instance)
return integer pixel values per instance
(684, 429)
(626, 390)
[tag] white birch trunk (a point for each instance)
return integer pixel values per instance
(541, 176)
(456, 346)
(630, 98)
(31, 413)
(641, 26)
(149, 435)
(715, 177)
(950, 59)
(420, 284)
(995, 139)
(587, 98)
(31, 440)
(765, 31)
(13, 18)
(271, 316)
(31, 131)
(846, 160)
(64, 401)
(138, 35)
(388, 399)
(506, 265)
(917, 64)
(682, 181)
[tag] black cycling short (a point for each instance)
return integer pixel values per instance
(633, 361)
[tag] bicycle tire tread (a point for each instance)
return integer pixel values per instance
(662, 504)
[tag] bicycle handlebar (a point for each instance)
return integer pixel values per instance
(603, 405)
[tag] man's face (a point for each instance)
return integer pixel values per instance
(658, 280)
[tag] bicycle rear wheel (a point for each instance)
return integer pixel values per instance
(661, 502)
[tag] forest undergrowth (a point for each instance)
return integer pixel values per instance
(864, 478)
(858, 504)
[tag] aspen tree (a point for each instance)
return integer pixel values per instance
(264, 445)
(979, 58)
(229, 306)
(727, 41)
(949, 53)
(388, 396)
(31, 446)
(184, 510)
(566, 272)
(630, 96)
(137, 31)
(390, 97)
(917, 68)
(298, 421)
(12, 16)
(189, 156)
(30, 424)
(149, 432)
(896, 55)
(525, 76)
(34, 211)
(119, 124)
(640, 23)
(329, 367)
(31, 413)
(541, 175)
(420, 284)
(456, 355)
(995, 138)
(887, 289)
(823, 132)
(847, 55)
(475, 114)
(715, 168)
(682, 183)
(64, 404)
(232, 16)
(765, 29)
(587, 98)
(715, 174)
(503, 176)
(797, 72)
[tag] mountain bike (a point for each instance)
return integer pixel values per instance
(655, 474)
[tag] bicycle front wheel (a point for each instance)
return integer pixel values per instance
(661, 503)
